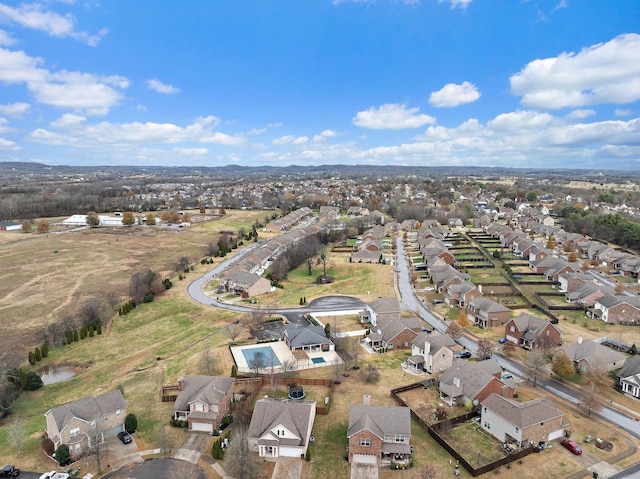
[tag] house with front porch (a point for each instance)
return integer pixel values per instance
(486, 313)
(431, 352)
(531, 331)
(80, 423)
(629, 377)
(588, 354)
(379, 434)
(394, 333)
(380, 309)
(203, 401)
(523, 423)
(281, 427)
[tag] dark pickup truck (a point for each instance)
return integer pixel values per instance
(9, 471)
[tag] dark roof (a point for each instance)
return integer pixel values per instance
(379, 420)
(207, 389)
(87, 409)
(522, 414)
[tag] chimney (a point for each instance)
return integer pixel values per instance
(366, 399)
(180, 384)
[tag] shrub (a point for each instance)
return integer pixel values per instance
(75, 336)
(216, 451)
(92, 331)
(370, 374)
(234, 371)
(62, 455)
(69, 337)
(99, 328)
(633, 349)
(44, 349)
(33, 381)
(148, 297)
(184, 424)
(131, 423)
(32, 358)
(38, 354)
(83, 332)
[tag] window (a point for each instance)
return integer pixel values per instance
(366, 442)
(77, 447)
(541, 424)
(106, 417)
(74, 432)
(487, 425)
(118, 413)
(280, 432)
(399, 438)
(512, 329)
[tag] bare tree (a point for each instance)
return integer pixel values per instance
(536, 360)
(288, 366)
(594, 383)
(454, 330)
(240, 461)
(233, 330)
(91, 311)
(485, 348)
(207, 361)
(26, 226)
(429, 472)
(16, 433)
(96, 442)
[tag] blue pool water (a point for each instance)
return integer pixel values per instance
(317, 360)
(268, 356)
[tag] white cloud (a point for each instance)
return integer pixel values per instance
(392, 116)
(78, 133)
(452, 95)
(463, 4)
(519, 120)
(15, 110)
(290, 139)
(64, 89)
(579, 114)
(35, 17)
(191, 151)
(603, 73)
(622, 112)
(324, 135)
(5, 38)
(8, 145)
(158, 86)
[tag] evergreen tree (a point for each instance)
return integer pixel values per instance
(131, 423)
(32, 358)
(38, 354)
(62, 455)
(44, 350)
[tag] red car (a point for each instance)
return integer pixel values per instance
(572, 446)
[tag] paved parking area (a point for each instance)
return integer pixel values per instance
(160, 468)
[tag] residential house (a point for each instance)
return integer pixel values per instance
(80, 423)
(530, 331)
(394, 333)
(629, 377)
(310, 338)
(568, 282)
(588, 354)
(587, 294)
(431, 352)
(379, 434)
(281, 427)
(245, 284)
(617, 309)
(459, 294)
(486, 313)
(381, 308)
(525, 423)
(203, 401)
(471, 382)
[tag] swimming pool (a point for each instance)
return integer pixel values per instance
(268, 357)
(317, 360)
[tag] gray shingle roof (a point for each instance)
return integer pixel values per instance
(379, 420)
(88, 408)
(473, 377)
(295, 416)
(305, 336)
(207, 389)
(593, 353)
(522, 414)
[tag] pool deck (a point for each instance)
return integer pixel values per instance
(284, 355)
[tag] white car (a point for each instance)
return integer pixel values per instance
(54, 475)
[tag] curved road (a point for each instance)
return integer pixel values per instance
(409, 301)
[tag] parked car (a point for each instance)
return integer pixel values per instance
(125, 437)
(502, 340)
(437, 301)
(572, 446)
(506, 376)
(463, 354)
(9, 471)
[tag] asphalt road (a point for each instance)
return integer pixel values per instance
(409, 301)
(159, 468)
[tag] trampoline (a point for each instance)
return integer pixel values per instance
(296, 392)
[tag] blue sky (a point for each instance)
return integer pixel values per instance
(537, 83)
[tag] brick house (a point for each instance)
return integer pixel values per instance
(629, 377)
(281, 427)
(471, 382)
(617, 309)
(524, 423)
(530, 331)
(203, 401)
(394, 333)
(379, 434)
(486, 313)
(80, 423)
(240, 282)
(380, 309)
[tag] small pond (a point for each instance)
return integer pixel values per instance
(56, 374)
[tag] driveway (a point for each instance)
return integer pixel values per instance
(159, 468)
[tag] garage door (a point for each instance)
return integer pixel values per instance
(201, 426)
(556, 435)
(289, 452)
(365, 459)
